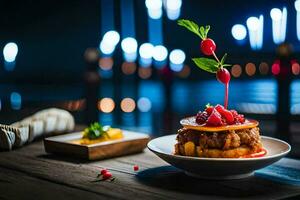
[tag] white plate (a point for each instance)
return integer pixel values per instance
(219, 168)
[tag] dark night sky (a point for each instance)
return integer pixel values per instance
(52, 35)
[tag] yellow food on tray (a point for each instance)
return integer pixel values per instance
(96, 133)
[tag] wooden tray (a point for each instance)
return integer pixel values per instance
(131, 143)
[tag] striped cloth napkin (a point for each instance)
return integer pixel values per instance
(42, 123)
(285, 170)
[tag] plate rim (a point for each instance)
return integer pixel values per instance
(222, 159)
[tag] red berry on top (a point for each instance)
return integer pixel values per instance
(209, 109)
(103, 171)
(219, 108)
(228, 116)
(214, 119)
(223, 75)
(208, 46)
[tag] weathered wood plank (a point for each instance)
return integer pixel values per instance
(16, 185)
(158, 183)
(78, 175)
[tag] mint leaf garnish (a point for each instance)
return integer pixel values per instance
(190, 25)
(207, 64)
(223, 58)
(95, 130)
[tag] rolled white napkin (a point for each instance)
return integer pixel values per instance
(44, 122)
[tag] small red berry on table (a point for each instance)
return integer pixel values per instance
(135, 167)
(106, 175)
(103, 171)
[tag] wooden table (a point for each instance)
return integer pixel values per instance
(30, 173)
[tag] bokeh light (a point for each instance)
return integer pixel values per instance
(113, 37)
(145, 72)
(106, 47)
(144, 104)
(160, 53)
(15, 100)
(154, 8)
(106, 63)
(128, 68)
(295, 68)
(276, 67)
(276, 14)
(239, 32)
(91, 55)
(177, 56)
(236, 70)
(106, 105)
(250, 69)
(10, 52)
(263, 68)
(146, 50)
(185, 72)
(127, 105)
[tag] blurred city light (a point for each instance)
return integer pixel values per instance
(250, 69)
(112, 37)
(263, 68)
(154, 8)
(129, 46)
(185, 72)
(146, 50)
(279, 19)
(127, 105)
(91, 55)
(145, 72)
(10, 52)
(106, 105)
(106, 63)
(146, 53)
(109, 41)
(128, 68)
(144, 104)
(160, 53)
(295, 67)
(173, 8)
(177, 58)
(236, 70)
(106, 47)
(239, 32)
(276, 67)
(255, 30)
(297, 7)
(15, 101)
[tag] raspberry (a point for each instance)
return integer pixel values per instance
(214, 119)
(103, 171)
(201, 117)
(220, 108)
(238, 118)
(209, 109)
(135, 167)
(107, 175)
(228, 116)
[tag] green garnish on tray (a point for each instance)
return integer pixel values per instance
(95, 131)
